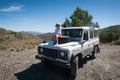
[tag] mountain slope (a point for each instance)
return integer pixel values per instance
(15, 41)
(46, 36)
(31, 33)
(112, 27)
(110, 34)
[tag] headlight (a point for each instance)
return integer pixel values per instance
(41, 49)
(62, 54)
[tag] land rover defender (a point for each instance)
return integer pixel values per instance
(75, 44)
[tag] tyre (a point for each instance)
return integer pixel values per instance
(93, 56)
(98, 49)
(74, 67)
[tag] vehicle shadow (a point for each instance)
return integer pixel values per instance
(83, 61)
(40, 72)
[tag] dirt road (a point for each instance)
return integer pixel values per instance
(23, 66)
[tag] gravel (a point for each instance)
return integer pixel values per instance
(22, 65)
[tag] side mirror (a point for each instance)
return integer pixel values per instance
(83, 41)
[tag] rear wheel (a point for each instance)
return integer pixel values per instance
(74, 67)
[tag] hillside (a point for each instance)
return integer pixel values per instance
(15, 41)
(110, 35)
(46, 36)
(112, 27)
(34, 33)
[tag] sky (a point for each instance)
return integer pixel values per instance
(42, 15)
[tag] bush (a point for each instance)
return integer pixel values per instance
(117, 42)
(108, 36)
(19, 35)
(1, 40)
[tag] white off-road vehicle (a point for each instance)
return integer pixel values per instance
(75, 44)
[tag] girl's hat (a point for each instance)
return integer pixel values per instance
(57, 25)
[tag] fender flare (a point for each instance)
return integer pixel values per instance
(74, 56)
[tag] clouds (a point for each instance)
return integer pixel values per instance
(12, 8)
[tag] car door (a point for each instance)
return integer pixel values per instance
(86, 43)
(91, 40)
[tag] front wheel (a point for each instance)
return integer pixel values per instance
(74, 67)
(93, 56)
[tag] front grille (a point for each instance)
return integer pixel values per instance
(51, 52)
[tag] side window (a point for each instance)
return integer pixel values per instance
(85, 37)
(95, 33)
(91, 34)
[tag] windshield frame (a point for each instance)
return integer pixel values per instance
(74, 34)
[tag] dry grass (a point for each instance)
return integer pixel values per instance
(19, 44)
(16, 41)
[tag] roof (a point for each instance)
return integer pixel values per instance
(83, 27)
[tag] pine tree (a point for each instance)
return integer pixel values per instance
(80, 18)
(66, 23)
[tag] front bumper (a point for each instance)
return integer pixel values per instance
(54, 61)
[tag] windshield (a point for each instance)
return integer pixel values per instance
(74, 34)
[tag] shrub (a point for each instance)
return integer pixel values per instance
(107, 36)
(117, 42)
(19, 36)
(1, 40)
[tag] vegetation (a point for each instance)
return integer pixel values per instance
(46, 37)
(16, 41)
(110, 35)
(80, 18)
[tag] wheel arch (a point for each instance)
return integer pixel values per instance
(79, 55)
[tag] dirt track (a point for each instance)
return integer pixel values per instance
(23, 66)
